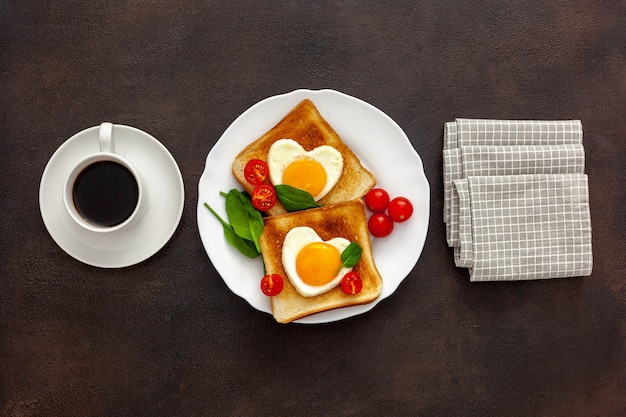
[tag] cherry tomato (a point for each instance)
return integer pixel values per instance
(263, 197)
(380, 225)
(256, 171)
(377, 200)
(272, 285)
(400, 209)
(351, 283)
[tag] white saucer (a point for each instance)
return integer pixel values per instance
(164, 200)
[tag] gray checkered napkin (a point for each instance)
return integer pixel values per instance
(484, 160)
(520, 227)
(472, 132)
(516, 198)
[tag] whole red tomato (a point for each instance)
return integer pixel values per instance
(400, 209)
(380, 225)
(377, 200)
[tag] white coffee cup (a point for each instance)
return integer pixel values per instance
(103, 192)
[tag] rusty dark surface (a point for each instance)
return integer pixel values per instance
(166, 337)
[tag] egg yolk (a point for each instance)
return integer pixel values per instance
(306, 174)
(318, 263)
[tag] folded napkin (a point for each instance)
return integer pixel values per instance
(484, 160)
(516, 202)
(469, 132)
(526, 227)
(517, 132)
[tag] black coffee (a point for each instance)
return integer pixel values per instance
(105, 193)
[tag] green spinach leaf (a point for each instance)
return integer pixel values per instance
(351, 255)
(244, 218)
(294, 199)
(246, 247)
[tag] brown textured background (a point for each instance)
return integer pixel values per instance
(167, 338)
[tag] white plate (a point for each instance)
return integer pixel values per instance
(164, 194)
(382, 147)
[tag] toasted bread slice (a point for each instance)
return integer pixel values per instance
(347, 220)
(305, 125)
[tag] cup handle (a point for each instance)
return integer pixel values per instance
(105, 137)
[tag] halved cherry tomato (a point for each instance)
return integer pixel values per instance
(272, 285)
(380, 225)
(377, 200)
(256, 171)
(263, 197)
(351, 283)
(400, 209)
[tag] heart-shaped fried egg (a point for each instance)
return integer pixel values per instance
(315, 171)
(313, 265)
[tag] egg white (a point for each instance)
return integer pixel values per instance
(284, 151)
(296, 239)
